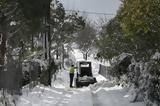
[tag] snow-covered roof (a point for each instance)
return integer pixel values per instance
(123, 56)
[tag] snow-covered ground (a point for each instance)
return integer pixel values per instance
(108, 94)
(103, 93)
(50, 96)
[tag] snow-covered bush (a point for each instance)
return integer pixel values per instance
(152, 86)
(145, 78)
(142, 77)
(119, 66)
(6, 99)
(46, 76)
(136, 80)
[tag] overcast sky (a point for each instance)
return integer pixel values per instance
(98, 6)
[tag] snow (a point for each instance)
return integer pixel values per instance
(6, 99)
(13, 23)
(108, 94)
(113, 97)
(62, 80)
(50, 96)
(108, 89)
(42, 63)
(156, 56)
(103, 93)
(124, 55)
(77, 55)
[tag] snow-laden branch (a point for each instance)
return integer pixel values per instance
(14, 6)
(11, 34)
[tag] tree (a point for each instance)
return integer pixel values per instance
(85, 39)
(7, 11)
(18, 11)
(3, 40)
(112, 41)
(64, 26)
(140, 22)
(21, 22)
(27, 21)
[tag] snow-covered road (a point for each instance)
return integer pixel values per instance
(84, 98)
(103, 93)
(48, 96)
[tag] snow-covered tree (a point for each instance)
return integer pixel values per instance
(85, 39)
(119, 65)
(64, 26)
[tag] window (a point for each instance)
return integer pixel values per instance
(84, 65)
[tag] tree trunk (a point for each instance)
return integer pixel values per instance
(32, 43)
(57, 57)
(63, 55)
(3, 49)
(49, 41)
(86, 56)
(3, 33)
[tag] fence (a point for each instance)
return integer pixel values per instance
(103, 70)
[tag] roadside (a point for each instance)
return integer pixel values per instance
(108, 94)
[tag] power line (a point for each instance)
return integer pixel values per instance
(89, 12)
